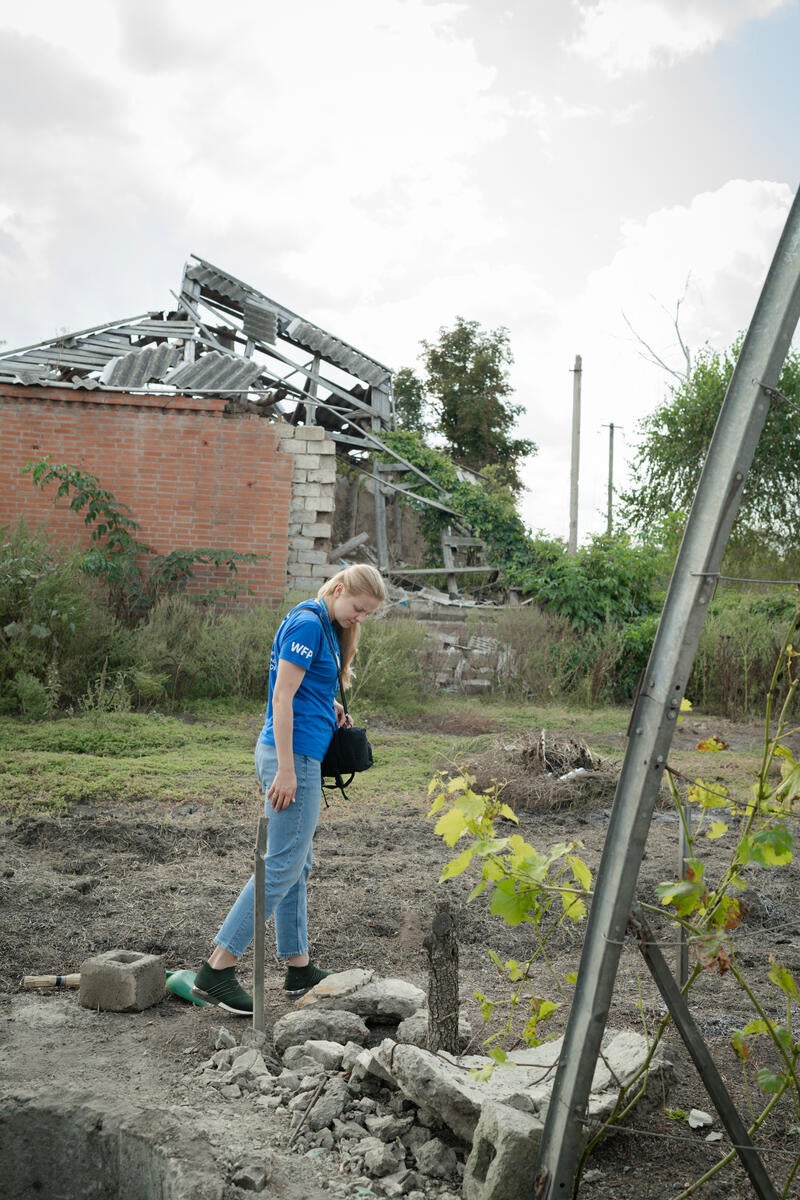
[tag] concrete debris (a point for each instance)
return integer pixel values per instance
(253, 1175)
(397, 1120)
(329, 1024)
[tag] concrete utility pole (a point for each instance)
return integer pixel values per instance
(572, 544)
(653, 721)
(610, 504)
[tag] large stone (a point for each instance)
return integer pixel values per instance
(341, 983)
(444, 1084)
(382, 1158)
(436, 1159)
(331, 1025)
(384, 1001)
(414, 1030)
(330, 1105)
(504, 1149)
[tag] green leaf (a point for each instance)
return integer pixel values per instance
(476, 891)
(708, 795)
(718, 829)
(511, 905)
(486, 1005)
(509, 814)
(451, 826)
(437, 805)
(755, 1027)
(493, 870)
(457, 866)
(772, 847)
(784, 979)
(574, 908)
(769, 1082)
(685, 895)
(471, 805)
(571, 977)
(583, 875)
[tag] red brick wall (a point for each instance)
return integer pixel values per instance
(191, 475)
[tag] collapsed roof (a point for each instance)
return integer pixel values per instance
(224, 338)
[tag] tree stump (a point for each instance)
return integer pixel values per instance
(441, 945)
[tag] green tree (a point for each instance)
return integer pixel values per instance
(672, 447)
(466, 378)
(409, 401)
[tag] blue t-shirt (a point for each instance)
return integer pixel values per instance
(301, 639)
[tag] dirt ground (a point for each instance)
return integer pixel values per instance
(158, 881)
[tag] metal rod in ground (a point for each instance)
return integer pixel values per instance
(684, 826)
(692, 1039)
(714, 510)
(259, 925)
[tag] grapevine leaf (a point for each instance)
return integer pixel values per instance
(740, 1044)
(718, 829)
(755, 1027)
(510, 904)
(457, 866)
(574, 908)
(784, 980)
(451, 826)
(583, 876)
(772, 847)
(769, 1082)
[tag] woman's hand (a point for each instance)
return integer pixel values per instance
(283, 789)
(342, 718)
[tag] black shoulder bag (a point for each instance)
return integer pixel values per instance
(349, 751)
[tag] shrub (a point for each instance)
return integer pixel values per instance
(389, 665)
(55, 630)
(232, 653)
(166, 647)
(739, 645)
(541, 649)
(609, 580)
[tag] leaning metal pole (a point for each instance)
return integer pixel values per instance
(716, 503)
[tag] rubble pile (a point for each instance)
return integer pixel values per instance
(385, 1117)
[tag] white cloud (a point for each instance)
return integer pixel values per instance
(722, 242)
(634, 35)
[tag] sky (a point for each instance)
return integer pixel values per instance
(574, 171)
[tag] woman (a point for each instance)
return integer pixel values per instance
(302, 713)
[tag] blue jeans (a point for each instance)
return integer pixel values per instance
(287, 864)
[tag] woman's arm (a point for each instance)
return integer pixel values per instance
(281, 792)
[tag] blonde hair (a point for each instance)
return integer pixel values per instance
(360, 579)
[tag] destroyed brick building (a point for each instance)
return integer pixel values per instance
(218, 423)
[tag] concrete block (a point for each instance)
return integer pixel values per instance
(308, 461)
(504, 1149)
(122, 981)
(317, 529)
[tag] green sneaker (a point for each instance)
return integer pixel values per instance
(223, 989)
(300, 980)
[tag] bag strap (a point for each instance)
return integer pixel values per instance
(336, 657)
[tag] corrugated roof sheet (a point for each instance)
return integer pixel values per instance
(140, 367)
(225, 373)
